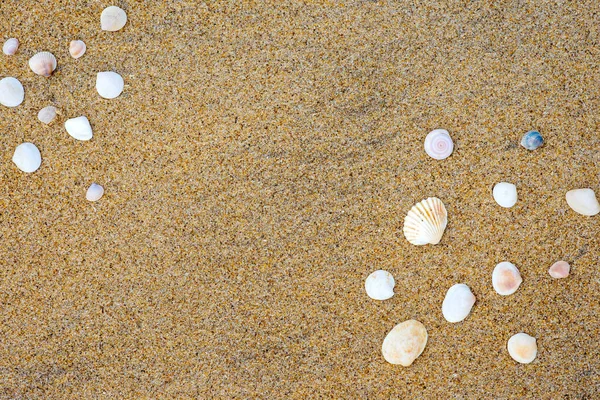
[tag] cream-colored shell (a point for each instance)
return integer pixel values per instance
(425, 222)
(404, 343)
(77, 48)
(43, 63)
(522, 348)
(113, 19)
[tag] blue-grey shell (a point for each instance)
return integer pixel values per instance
(532, 140)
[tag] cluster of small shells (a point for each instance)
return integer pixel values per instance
(425, 223)
(109, 85)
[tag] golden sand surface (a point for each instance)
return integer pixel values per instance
(259, 165)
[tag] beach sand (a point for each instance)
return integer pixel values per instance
(258, 167)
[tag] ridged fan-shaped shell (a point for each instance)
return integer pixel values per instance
(425, 222)
(43, 63)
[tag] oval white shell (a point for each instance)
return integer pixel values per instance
(94, 192)
(522, 348)
(583, 201)
(109, 84)
(559, 269)
(10, 46)
(505, 194)
(458, 303)
(380, 285)
(425, 222)
(506, 278)
(77, 48)
(47, 114)
(404, 343)
(43, 63)
(27, 157)
(439, 144)
(112, 19)
(11, 92)
(79, 128)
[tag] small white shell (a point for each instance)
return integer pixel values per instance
(43, 63)
(426, 222)
(10, 46)
(458, 303)
(11, 92)
(439, 144)
(77, 48)
(506, 278)
(559, 269)
(583, 201)
(112, 19)
(505, 194)
(380, 285)
(27, 157)
(79, 128)
(522, 348)
(94, 192)
(404, 343)
(109, 84)
(47, 114)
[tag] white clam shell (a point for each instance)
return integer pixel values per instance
(505, 194)
(425, 222)
(47, 114)
(458, 303)
(77, 48)
(380, 285)
(94, 192)
(559, 270)
(11, 92)
(10, 46)
(79, 128)
(113, 19)
(109, 84)
(43, 63)
(27, 157)
(404, 343)
(522, 348)
(439, 144)
(583, 201)
(506, 278)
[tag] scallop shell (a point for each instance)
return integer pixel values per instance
(77, 48)
(79, 128)
(532, 140)
(506, 278)
(27, 157)
(380, 285)
(11, 92)
(43, 63)
(47, 114)
(94, 192)
(583, 201)
(426, 222)
(439, 144)
(404, 343)
(112, 19)
(10, 46)
(522, 348)
(109, 84)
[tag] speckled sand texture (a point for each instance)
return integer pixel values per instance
(258, 166)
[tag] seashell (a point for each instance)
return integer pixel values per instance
(77, 48)
(109, 84)
(438, 144)
(583, 201)
(79, 128)
(506, 278)
(426, 222)
(43, 63)
(380, 285)
(10, 46)
(522, 348)
(27, 157)
(458, 303)
(94, 192)
(404, 343)
(559, 269)
(505, 194)
(112, 19)
(532, 140)
(47, 114)
(11, 92)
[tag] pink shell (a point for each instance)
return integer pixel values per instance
(559, 269)
(438, 144)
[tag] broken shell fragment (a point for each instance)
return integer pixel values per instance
(522, 348)
(43, 63)
(506, 278)
(458, 303)
(113, 19)
(425, 222)
(11, 92)
(79, 128)
(47, 114)
(583, 201)
(77, 48)
(559, 269)
(10, 46)
(380, 285)
(404, 343)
